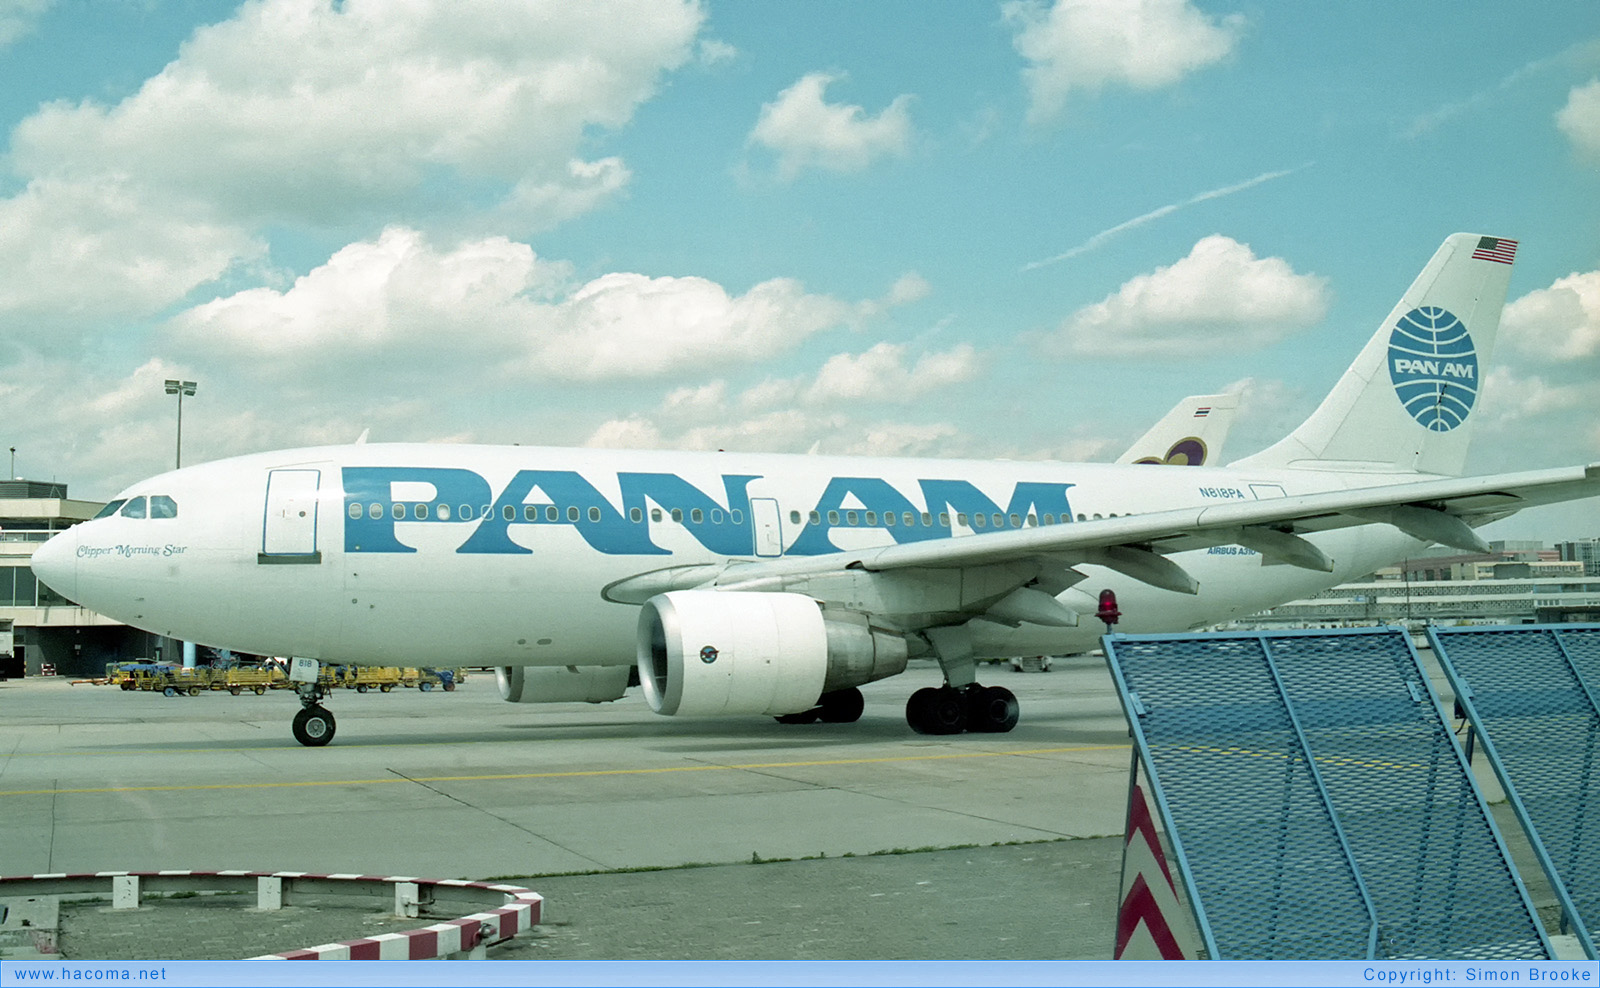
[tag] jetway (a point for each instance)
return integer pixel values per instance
(1314, 800)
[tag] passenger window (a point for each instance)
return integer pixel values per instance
(655, 514)
(635, 515)
(115, 506)
(853, 517)
(465, 515)
(594, 514)
(944, 519)
(794, 517)
(1049, 519)
(1033, 521)
(979, 521)
(927, 520)
(162, 506)
(422, 512)
(737, 516)
(398, 511)
(355, 511)
(551, 513)
(442, 512)
(1082, 517)
(872, 518)
(910, 518)
(1016, 521)
(677, 515)
(890, 518)
(697, 516)
(572, 513)
(833, 517)
(530, 512)
(999, 521)
(816, 519)
(374, 511)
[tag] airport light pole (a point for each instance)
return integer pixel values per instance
(180, 388)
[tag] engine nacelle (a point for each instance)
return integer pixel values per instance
(562, 684)
(704, 653)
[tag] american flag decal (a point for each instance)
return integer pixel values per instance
(1495, 249)
(1201, 413)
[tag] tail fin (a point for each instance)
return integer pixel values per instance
(1406, 403)
(1190, 435)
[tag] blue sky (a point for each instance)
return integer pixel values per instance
(1021, 229)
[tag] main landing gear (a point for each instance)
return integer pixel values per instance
(313, 726)
(951, 710)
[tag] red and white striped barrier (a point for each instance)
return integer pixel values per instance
(520, 911)
(1150, 916)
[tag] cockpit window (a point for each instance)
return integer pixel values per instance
(136, 508)
(162, 506)
(112, 508)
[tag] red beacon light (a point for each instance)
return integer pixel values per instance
(1108, 608)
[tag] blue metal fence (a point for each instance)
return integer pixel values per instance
(1315, 801)
(1530, 694)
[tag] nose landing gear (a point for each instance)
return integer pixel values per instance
(313, 726)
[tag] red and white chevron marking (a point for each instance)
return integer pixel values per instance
(1150, 914)
(521, 912)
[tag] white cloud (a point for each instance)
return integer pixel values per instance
(1221, 296)
(806, 131)
(308, 112)
(881, 374)
(303, 109)
(493, 301)
(1580, 119)
(1558, 323)
(1087, 44)
(18, 17)
(74, 250)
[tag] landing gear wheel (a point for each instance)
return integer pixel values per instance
(842, 706)
(937, 711)
(991, 709)
(313, 727)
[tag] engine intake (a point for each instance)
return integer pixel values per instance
(704, 653)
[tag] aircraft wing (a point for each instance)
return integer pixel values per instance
(1443, 511)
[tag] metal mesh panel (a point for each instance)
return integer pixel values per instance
(1421, 835)
(1250, 825)
(1530, 693)
(1226, 724)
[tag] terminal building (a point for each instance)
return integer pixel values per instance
(48, 633)
(1517, 583)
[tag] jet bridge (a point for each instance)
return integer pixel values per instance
(1529, 694)
(1314, 800)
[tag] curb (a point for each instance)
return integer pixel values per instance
(519, 910)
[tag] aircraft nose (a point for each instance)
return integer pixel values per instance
(56, 563)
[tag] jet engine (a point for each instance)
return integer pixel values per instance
(704, 653)
(562, 684)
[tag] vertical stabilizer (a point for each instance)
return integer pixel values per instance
(1407, 402)
(1191, 435)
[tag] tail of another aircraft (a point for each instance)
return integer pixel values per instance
(1407, 402)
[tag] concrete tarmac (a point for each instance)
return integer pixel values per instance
(464, 785)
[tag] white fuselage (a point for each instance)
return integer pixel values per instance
(324, 553)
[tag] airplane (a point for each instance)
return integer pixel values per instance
(1191, 435)
(777, 585)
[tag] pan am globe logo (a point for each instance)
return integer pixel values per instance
(1434, 367)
